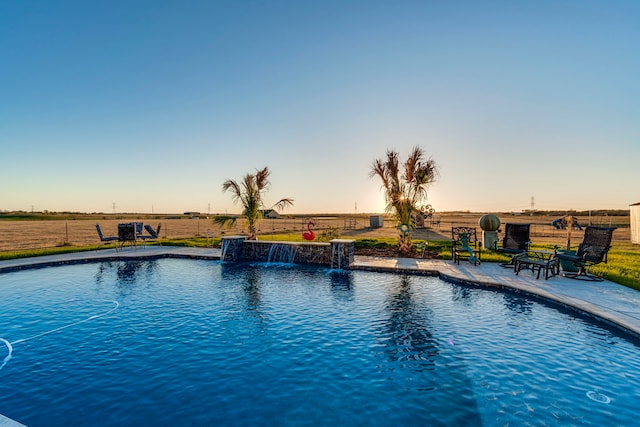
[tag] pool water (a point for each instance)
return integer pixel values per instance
(193, 343)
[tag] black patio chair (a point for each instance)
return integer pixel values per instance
(464, 245)
(516, 241)
(153, 234)
(593, 250)
(103, 238)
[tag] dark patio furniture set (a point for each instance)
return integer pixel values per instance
(130, 233)
(516, 244)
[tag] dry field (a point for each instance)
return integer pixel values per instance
(21, 235)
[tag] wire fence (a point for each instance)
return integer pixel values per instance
(25, 235)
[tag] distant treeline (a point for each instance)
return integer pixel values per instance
(50, 216)
(601, 212)
(604, 212)
(47, 216)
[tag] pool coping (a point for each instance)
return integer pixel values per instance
(606, 301)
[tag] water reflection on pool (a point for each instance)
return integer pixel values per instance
(183, 343)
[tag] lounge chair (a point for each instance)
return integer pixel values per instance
(464, 245)
(516, 241)
(103, 238)
(593, 250)
(153, 234)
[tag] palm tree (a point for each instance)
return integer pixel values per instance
(250, 192)
(405, 188)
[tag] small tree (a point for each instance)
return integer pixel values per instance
(405, 188)
(250, 193)
(567, 222)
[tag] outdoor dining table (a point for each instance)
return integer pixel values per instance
(127, 233)
(132, 232)
(536, 261)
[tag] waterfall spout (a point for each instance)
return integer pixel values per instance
(282, 253)
(342, 253)
(224, 246)
(231, 247)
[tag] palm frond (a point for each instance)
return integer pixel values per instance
(283, 203)
(223, 220)
(262, 179)
(412, 164)
(233, 187)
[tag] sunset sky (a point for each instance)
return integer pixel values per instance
(149, 106)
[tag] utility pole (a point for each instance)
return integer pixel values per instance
(354, 223)
(533, 205)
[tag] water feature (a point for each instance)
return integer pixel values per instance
(183, 342)
(282, 253)
(231, 247)
(224, 247)
(338, 253)
(342, 253)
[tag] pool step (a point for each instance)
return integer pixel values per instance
(8, 422)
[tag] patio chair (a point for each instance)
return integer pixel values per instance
(593, 250)
(103, 238)
(516, 241)
(153, 234)
(464, 245)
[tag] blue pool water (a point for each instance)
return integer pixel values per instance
(197, 343)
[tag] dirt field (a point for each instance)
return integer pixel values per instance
(20, 235)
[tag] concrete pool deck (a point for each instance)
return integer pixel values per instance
(611, 302)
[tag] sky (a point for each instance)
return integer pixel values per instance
(150, 106)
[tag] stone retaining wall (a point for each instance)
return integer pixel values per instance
(338, 253)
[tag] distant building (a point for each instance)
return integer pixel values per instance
(634, 222)
(270, 214)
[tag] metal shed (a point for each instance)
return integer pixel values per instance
(376, 221)
(634, 222)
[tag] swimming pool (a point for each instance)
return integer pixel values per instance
(185, 342)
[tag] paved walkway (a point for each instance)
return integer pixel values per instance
(612, 302)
